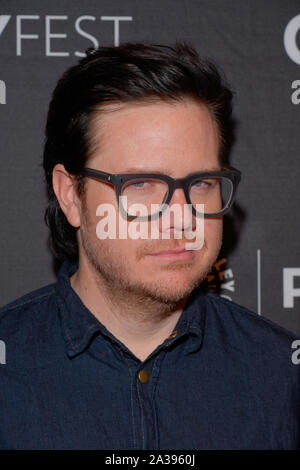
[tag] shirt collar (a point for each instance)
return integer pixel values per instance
(80, 326)
(192, 321)
(78, 323)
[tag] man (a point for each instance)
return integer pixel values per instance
(126, 351)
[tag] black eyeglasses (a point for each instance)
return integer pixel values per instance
(144, 196)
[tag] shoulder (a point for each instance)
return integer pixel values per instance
(253, 338)
(25, 317)
(30, 298)
(257, 355)
(30, 301)
(242, 319)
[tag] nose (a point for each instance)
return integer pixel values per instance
(178, 197)
(178, 216)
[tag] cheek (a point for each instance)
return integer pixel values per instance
(213, 229)
(100, 203)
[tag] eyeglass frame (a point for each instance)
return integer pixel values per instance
(118, 181)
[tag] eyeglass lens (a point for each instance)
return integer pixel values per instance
(150, 194)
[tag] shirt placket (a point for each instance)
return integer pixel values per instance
(143, 381)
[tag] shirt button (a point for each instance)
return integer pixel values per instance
(172, 335)
(143, 376)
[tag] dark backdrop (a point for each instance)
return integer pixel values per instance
(256, 43)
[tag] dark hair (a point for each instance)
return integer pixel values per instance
(129, 72)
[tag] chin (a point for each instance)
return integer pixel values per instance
(170, 295)
(172, 287)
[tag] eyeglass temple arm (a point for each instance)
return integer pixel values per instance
(236, 171)
(97, 174)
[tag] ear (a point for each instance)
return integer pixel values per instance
(64, 186)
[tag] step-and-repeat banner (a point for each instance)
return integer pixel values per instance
(255, 42)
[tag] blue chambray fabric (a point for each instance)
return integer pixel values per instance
(226, 381)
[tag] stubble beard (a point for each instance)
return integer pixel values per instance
(113, 276)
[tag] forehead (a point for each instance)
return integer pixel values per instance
(154, 136)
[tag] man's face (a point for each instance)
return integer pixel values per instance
(174, 139)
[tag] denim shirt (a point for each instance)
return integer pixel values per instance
(223, 380)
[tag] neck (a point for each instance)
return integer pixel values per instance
(140, 323)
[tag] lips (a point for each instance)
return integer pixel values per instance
(169, 252)
(180, 254)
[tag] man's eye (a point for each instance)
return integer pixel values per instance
(203, 184)
(140, 184)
